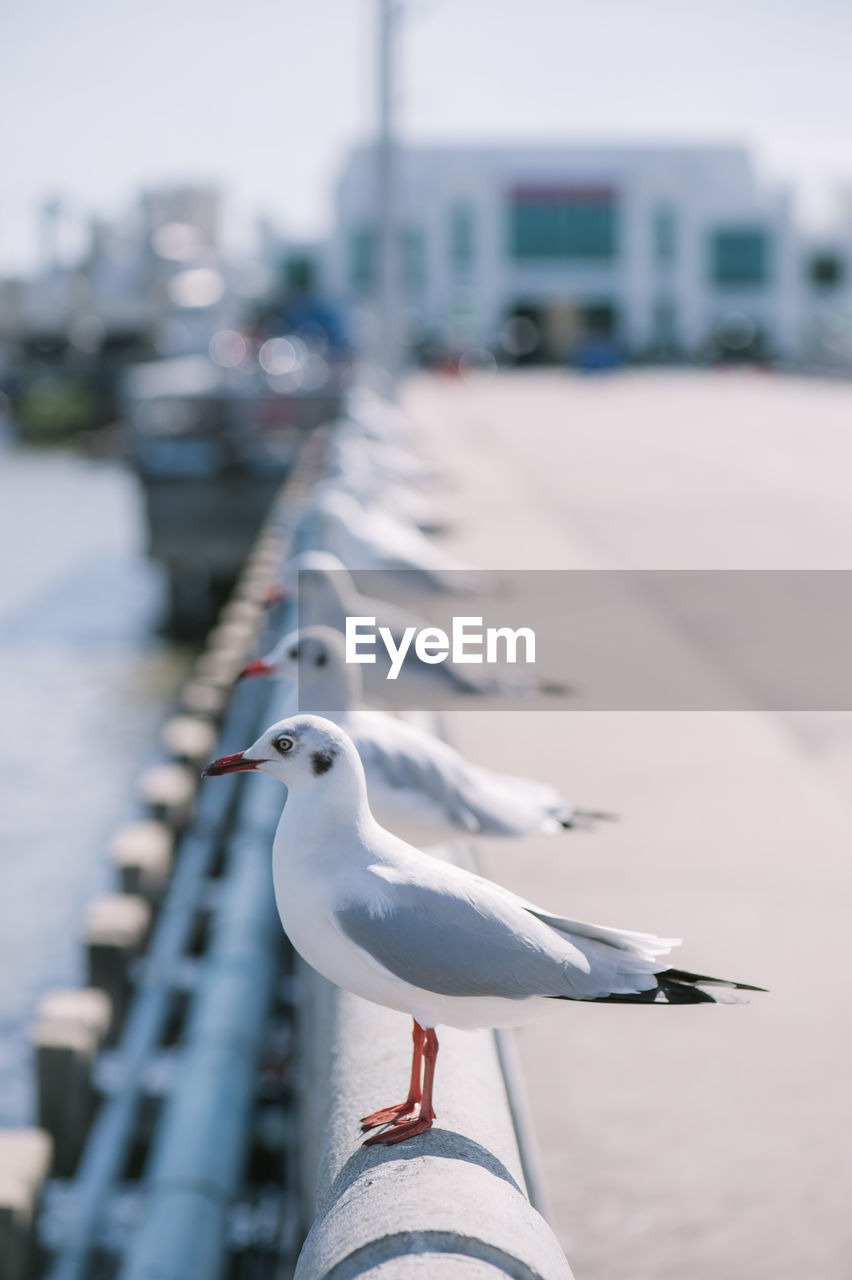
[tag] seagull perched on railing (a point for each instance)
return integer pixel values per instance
(377, 417)
(375, 539)
(392, 461)
(419, 787)
(393, 925)
(326, 595)
(351, 466)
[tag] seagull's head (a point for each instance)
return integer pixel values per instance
(302, 751)
(308, 571)
(314, 562)
(310, 656)
(314, 659)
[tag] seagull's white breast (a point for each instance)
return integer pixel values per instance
(306, 893)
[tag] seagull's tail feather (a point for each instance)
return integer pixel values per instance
(684, 975)
(679, 986)
(581, 819)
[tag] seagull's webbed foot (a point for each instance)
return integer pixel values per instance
(401, 1131)
(416, 1114)
(408, 1110)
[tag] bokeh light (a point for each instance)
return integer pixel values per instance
(198, 287)
(176, 241)
(477, 360)
(279, 356)
(228, 348)
(519, 336)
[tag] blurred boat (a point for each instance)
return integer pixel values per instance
(212, 447)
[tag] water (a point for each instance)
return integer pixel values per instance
(84, 685)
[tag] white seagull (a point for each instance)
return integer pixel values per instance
(398, 927)
(350, 466)
(388, 458)
(375, 416)
(419, 787)
(326, 595)
(375, 539)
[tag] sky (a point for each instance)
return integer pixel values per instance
(100, 98)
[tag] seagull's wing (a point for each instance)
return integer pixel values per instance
(470, 798)
(406, 758)
(448, 933)
(393, 544)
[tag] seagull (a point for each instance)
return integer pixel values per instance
(327, 595)
(377, 417)
(351, 467)
(387, 460)
(375, 539)
(400, 928)
(419, 786)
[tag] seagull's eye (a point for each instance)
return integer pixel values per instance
(320, 660)
(294, 653)
(283, 745)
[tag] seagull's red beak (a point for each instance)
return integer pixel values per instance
(257, 667)
(236, 763)
(275, 595)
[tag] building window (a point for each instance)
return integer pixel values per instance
(739, 257)
(362, 260)
(461, 237)
(568, 223)
(664, 234)
(364, 266)
(826, 270)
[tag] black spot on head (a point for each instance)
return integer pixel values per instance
(321, 761)
(294, 653)
(321, 659)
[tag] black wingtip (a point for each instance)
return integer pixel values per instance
(685, 975)
(555, 689)
(584, 818)
(676, 986)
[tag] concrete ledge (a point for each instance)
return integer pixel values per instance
(142, 854)
(116, 930)
(452, 1202)
(190, 739)
(201, 698)
(70, 1027)
(25, 1156)
(168, 790)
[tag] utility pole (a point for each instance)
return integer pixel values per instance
(389, 348)
(51, 214)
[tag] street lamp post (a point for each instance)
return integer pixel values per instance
(388, 344)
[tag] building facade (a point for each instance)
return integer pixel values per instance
(544, 252)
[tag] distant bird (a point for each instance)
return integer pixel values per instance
(375, 539)
(326, 595)
(392, 462)
(407, 931)
(377, 417)
(419, 786)
(351, 467)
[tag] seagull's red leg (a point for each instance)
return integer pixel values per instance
(408, 1126)
(407, 1109)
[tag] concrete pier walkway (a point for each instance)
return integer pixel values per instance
(701, 1142)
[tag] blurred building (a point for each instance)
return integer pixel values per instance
(826, 267)
(562, 253)
(154, 281)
